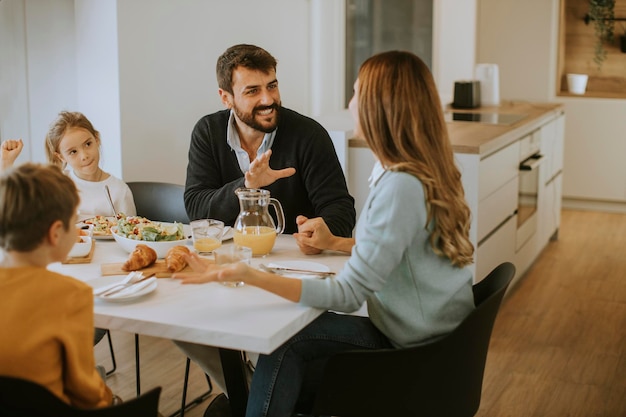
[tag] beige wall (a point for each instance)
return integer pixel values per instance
(144, 70)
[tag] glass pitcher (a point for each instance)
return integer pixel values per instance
(254, 227)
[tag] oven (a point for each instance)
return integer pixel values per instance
(529, 183)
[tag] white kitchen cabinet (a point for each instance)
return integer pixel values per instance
(497, 189)
(552, 145)
(498, 248)
(491, 188)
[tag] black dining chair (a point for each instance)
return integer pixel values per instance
(161, 201)
(439, 378)
(23, 398)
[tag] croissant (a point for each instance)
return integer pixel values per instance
(139, 258)
(175, 258)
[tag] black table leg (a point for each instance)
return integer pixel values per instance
(137, 368)
(236, 381)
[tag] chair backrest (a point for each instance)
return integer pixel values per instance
(23, 398)
(440, 378)
(160, 201)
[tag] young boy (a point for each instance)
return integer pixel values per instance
(46, 319)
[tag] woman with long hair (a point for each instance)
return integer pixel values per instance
(411, 248)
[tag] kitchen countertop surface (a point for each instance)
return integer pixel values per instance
(486, 138)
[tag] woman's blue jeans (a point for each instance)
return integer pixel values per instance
(293, 371)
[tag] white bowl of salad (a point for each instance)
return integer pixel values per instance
(160, 236)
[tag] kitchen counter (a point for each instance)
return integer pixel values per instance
(473, 137)
(485, 139)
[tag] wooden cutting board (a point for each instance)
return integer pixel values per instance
(158, 268)
(83, 259)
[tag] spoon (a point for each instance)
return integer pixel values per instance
(108, 193)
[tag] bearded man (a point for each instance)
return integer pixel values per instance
(233, 148)
(257, 143)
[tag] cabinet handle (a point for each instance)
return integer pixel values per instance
(531, 163)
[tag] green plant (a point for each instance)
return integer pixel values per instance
(602, 13)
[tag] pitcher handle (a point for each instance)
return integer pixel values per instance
(280, 227)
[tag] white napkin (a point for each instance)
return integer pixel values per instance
(131, 289)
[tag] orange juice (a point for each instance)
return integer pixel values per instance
(206, 244)
(258, 238)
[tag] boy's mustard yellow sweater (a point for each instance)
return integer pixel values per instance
(46, 329)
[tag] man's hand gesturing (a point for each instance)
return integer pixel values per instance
(260, 174)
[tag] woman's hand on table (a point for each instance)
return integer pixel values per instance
(207, 271)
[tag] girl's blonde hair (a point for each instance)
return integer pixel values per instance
(59, 127)
(401, 119)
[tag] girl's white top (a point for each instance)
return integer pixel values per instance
(93, 199)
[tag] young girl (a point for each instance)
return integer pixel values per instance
(411, 248)
(72, 141)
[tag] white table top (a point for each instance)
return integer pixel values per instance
(243, 318)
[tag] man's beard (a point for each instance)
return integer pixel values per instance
(249, 118)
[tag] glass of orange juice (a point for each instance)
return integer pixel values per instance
(206, 235)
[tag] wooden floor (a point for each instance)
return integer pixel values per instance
(162, 364)
(558, 347)
(559, 344)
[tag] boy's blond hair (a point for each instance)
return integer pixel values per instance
(32, 197)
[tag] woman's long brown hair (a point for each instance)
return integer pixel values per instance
(401, 119)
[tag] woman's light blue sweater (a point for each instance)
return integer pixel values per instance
(412, 294)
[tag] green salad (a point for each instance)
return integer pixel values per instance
(140, 228)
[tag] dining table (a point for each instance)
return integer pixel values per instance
(234, 319)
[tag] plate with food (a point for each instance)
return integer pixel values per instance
(102, 225)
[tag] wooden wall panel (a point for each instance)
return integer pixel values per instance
(576, 51)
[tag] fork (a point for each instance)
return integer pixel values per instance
(131, 278)
(108, 194)
(126, 286)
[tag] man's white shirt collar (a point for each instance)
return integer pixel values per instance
(232, 138)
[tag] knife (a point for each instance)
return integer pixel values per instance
(279, 269)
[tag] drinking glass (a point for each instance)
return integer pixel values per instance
(230, 254)
(206, 235)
